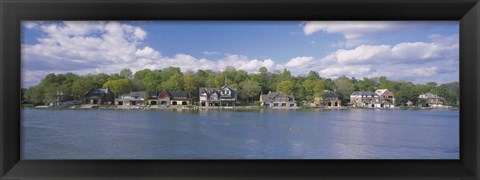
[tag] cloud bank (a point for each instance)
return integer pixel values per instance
(107, 47)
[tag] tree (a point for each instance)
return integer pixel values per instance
(329, 84)
(116, 76)
(126, 73)
(120, 86)
(406, 92)
(365, 85)
(286, 86)
(35, 94)
(190, 84)
(249, 89)
(313, 75)
(175, 83)
(344, 87)
(151, 80)
(262, 78)
(308, 86)
(285, 76)
(451, 92)
(142, 74)
(80, 87)
(98, 80)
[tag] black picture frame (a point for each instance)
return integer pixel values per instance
(466, 11)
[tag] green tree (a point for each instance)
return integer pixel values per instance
(191, 84)
(126, 73)
(175, 83)
(406, 92)
(313, 75)
(286, 87)
(249, 89)
(366, 85)
(98, 80)
(142, 74)
(344, 87)
(35, 94)
(120, 86)
(80, 87)
(285, 76)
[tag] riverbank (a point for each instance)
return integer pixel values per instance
(250, 107)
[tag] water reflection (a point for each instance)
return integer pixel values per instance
(255, 134)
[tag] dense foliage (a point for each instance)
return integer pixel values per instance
(249, 86)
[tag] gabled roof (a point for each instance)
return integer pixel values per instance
(137, 94)
(428, 96)
(231, 89)
(381, 91)
(154, 93)
(208, 90)
(97, 90)
(271, 95)
(330, 94)
(179, 94)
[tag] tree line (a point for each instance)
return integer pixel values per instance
(249, 85)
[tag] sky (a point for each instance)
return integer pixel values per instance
(415, 51)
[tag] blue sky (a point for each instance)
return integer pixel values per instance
(416, 51)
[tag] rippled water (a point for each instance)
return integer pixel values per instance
(268, 134)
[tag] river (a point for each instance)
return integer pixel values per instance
(221, 134)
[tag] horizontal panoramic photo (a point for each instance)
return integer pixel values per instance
(240, 90)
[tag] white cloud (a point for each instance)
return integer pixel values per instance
(139, 33)
(147, 52)
(351, 71)
(363, 53)
(358, 32)
(408, 52)
(209, 53)
(412, 61)
(298, 61)
(107, 47)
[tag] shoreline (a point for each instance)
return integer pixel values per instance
(191, 108)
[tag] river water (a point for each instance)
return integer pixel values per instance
(215, 134)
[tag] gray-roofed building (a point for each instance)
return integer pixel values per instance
(61, 97)
(329, 99)
(223, 96)
(99, 96)
(364, 99)
(131, 99)
(278, 100)
(430, 100)
(169, 98)
(387, 98)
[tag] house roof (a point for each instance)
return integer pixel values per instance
(381, 91)
(97, 90)
(208, 90)
(231, 89)
(428, 96)
(135, 94)
(364, 93)
(271, 95)
(154, 93)
(330, 94)
(138, 94)
(179, 94)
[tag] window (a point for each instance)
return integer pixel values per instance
(284, 104)
(275, 104)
